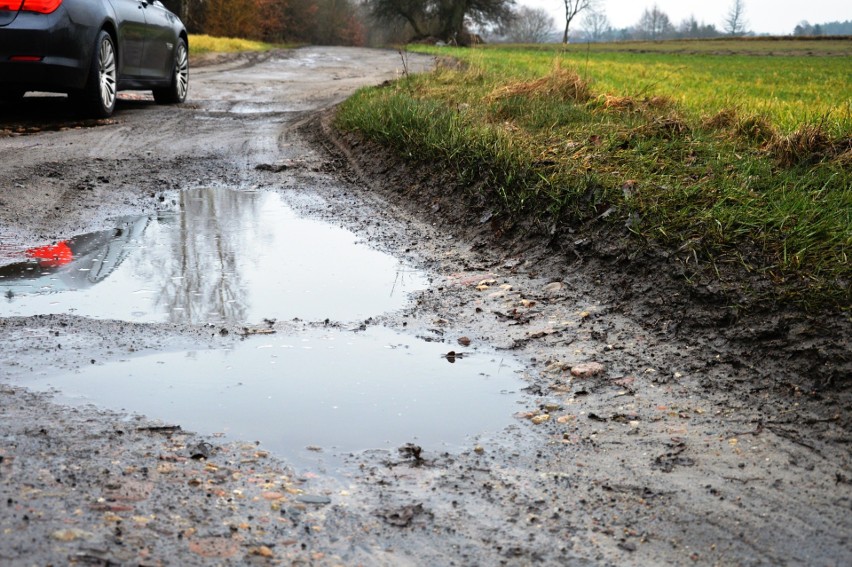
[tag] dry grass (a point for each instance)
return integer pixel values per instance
(199, 44)
(809, 144)
(665, 127)
(756, 129)
(845, 158)
(629, 103)
(560, 84)
(725, 119)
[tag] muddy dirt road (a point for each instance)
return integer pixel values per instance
(595, 435)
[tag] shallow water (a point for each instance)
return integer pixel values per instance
(340, 391)
(224, 257)
(242, 257)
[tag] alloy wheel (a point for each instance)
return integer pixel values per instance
(106, 72)
(181, 71)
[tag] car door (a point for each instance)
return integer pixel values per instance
(130, 16)
(160, 41)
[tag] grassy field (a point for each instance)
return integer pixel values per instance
(717, 150)
(702, 76)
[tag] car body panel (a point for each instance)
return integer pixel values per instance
(7, 17)
(130, 18)
(56, 40)
(63, 41)
(160, 41)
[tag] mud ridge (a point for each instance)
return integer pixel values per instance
(635, 278)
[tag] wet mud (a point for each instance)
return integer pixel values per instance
(653, 427)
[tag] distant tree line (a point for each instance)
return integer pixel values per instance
(460, 22)
(831, 28)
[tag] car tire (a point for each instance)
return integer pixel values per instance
(175, 93)
(98, 96)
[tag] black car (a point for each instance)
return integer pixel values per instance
(91, 49)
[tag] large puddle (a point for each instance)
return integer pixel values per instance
(242, 257)
(312, 396)
(225, 256)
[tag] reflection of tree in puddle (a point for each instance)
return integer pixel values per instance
(200, 279)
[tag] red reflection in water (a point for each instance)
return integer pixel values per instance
(52, 256)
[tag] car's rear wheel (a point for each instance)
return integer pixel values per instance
(98, 96)
(176, 92)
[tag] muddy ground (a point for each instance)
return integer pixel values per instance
(658, 427)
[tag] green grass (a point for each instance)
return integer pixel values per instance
(199, 44)
(725, 160)
(789, 89)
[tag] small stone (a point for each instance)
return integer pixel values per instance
(587, 369)
(262, 551)
(478, 450)
(539, 419)
(553, 288)
(557, 366)
(271, 495)
(70, 534)
(464, 341)
(313, 499)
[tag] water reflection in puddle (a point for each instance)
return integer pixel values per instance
(338, 390)
(227, 256)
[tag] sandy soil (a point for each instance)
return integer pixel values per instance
(657, 428)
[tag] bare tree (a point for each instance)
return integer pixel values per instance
(655, 24)
(572, 8)
(735, 22)
(529, 25)
(596, 25)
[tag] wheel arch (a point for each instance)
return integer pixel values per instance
(110, 27)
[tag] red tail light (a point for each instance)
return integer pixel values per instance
(52, 256)
(40, 6)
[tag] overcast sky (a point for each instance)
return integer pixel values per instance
(763, 16)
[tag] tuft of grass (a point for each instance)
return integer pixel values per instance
(555, 146)
(808, 144)
(560, 84)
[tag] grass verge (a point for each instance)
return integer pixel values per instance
(728, 187)
(199, 44)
